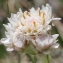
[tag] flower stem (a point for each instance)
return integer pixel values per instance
(45, 58)
(19, 58)
(48, 58)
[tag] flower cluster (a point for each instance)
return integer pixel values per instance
(33, 26)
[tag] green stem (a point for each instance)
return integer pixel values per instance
(35, 59)
(48, 58)
(19, 58)
(45, 58)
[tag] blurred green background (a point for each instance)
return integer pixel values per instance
(12, 6)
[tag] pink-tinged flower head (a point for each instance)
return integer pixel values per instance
(45, 43)
(25, 26)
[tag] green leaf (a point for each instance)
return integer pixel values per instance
(3, 51)
(60, 41)
(30, 50)
(32, 58)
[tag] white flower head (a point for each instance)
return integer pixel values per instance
(45, 43)
(15, 41)
(28, 24)
(32, 22)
